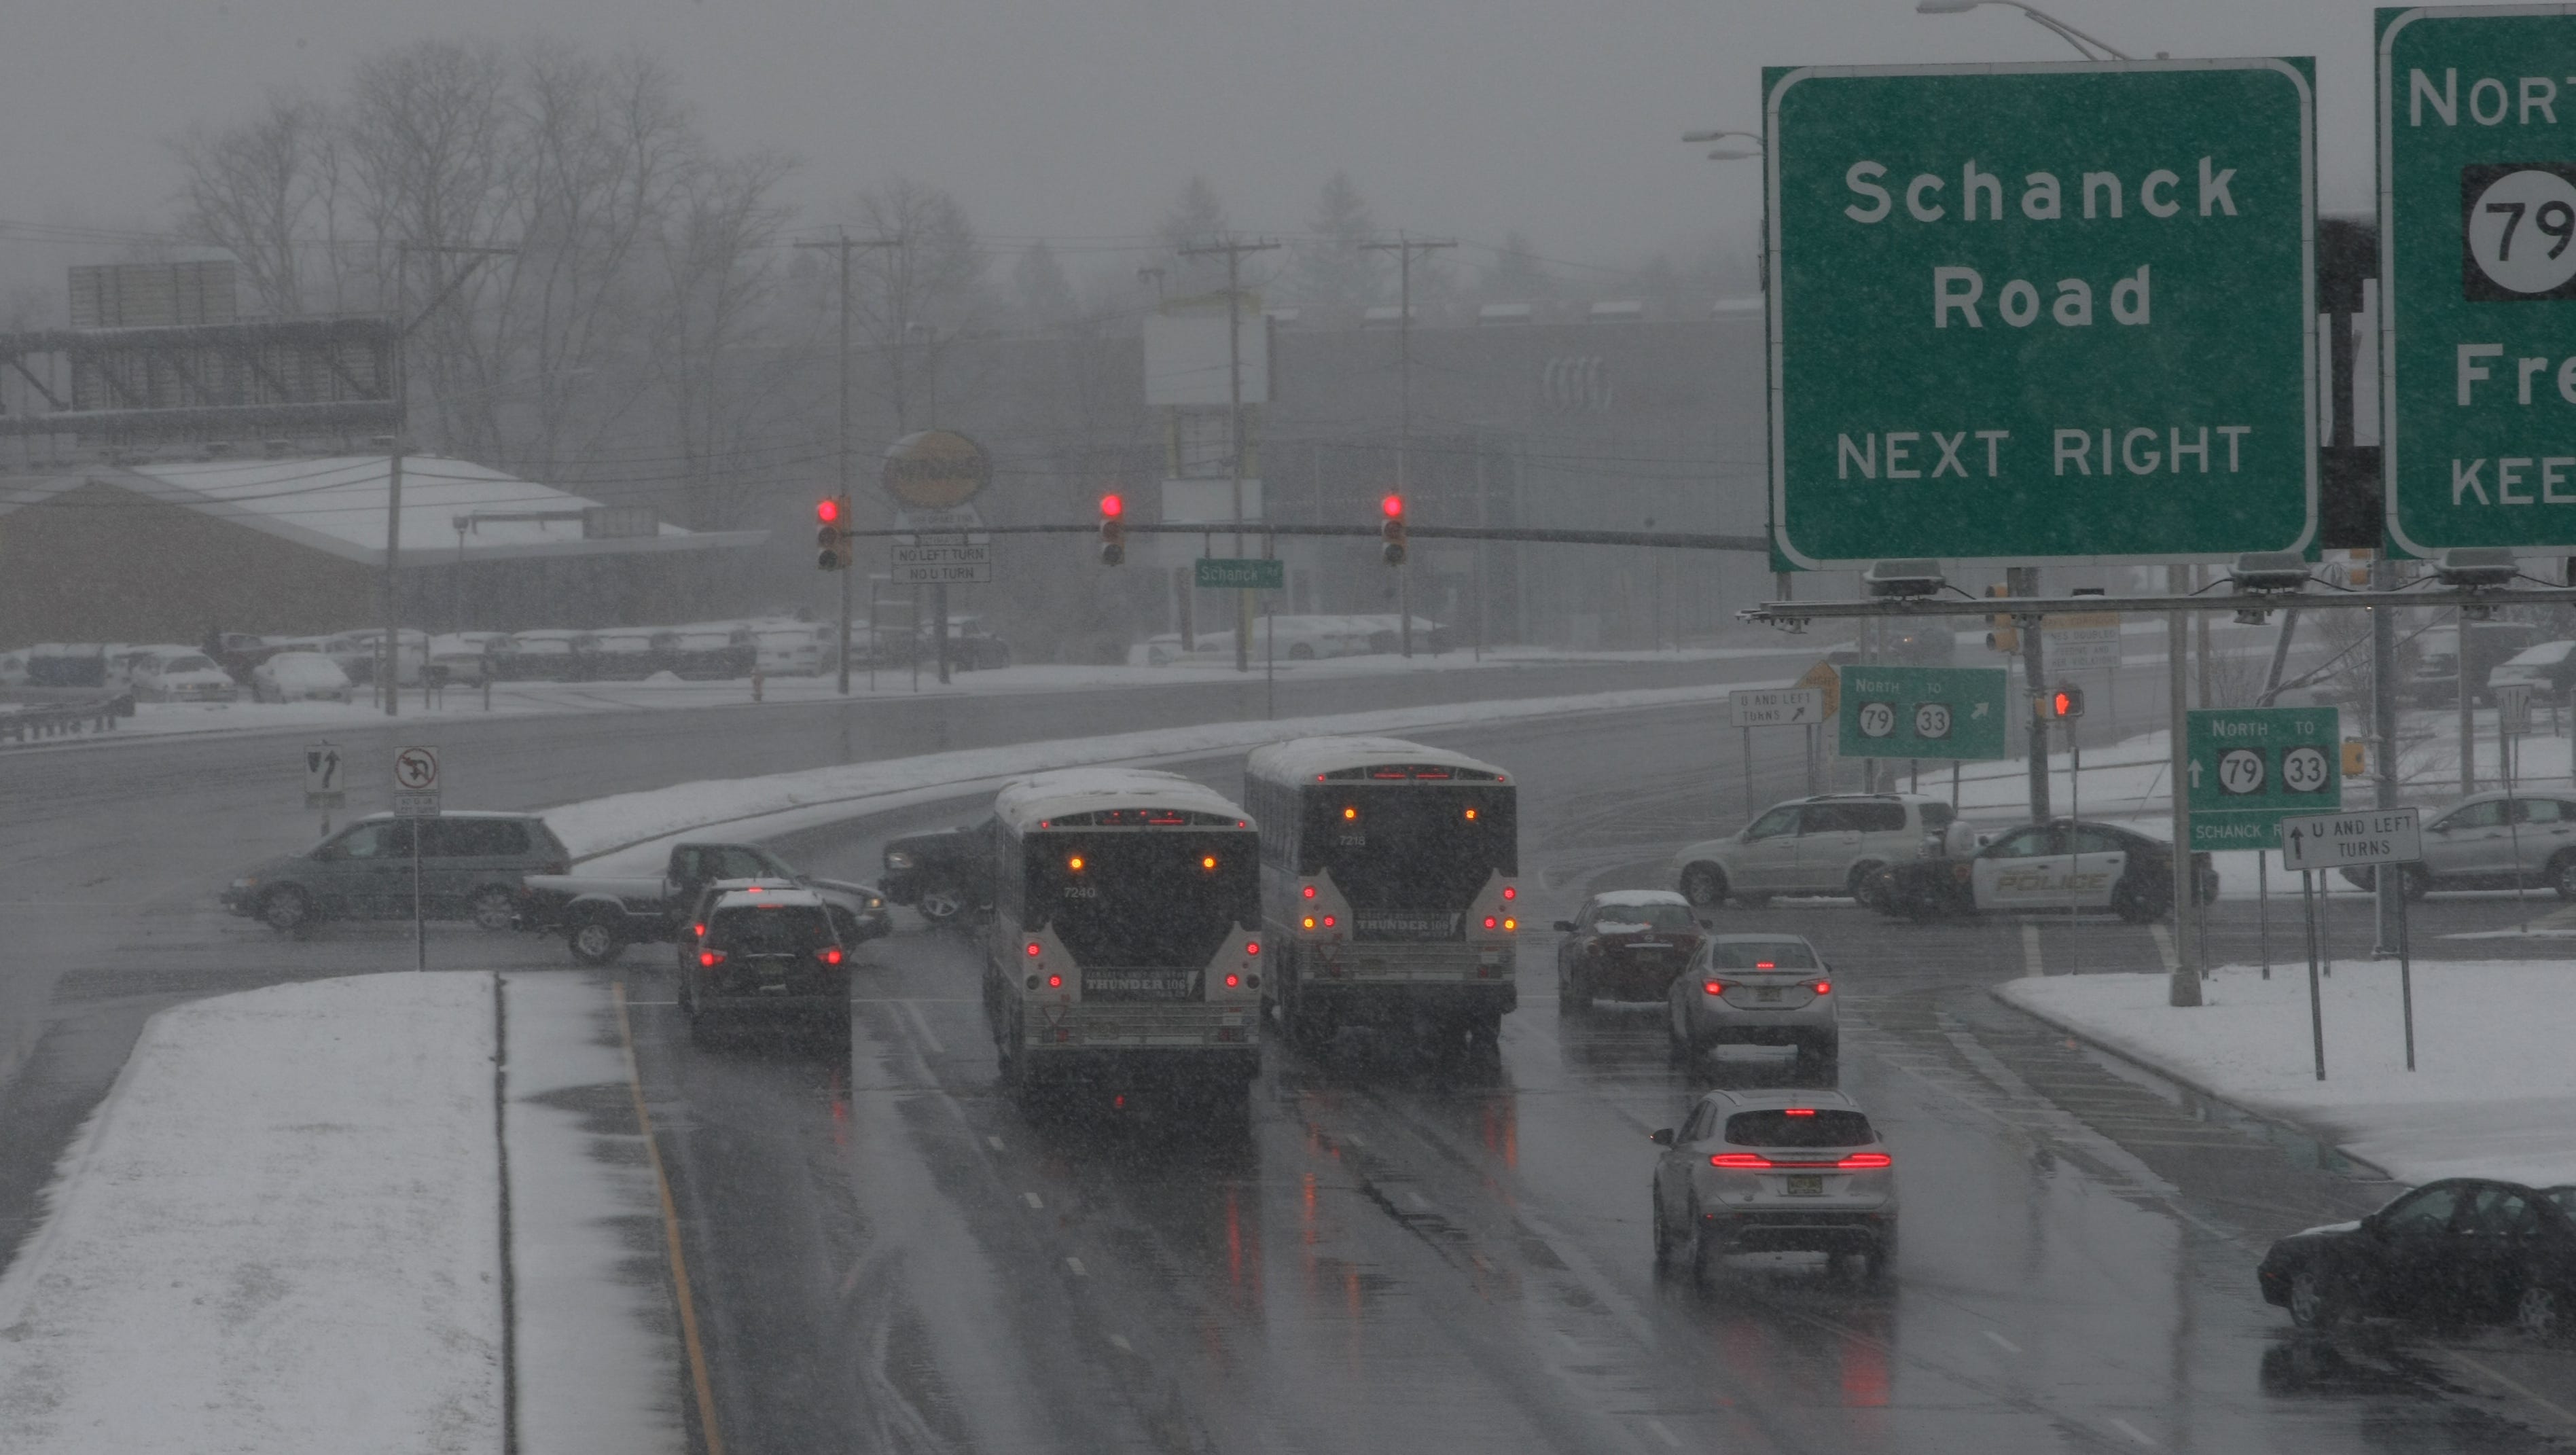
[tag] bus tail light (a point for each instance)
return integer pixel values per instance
(1510, 893)
(1232, 981)
(1309, 922)
(1310, 891)
(1035, 949)
(1252, 947)
(1055, 982)
(1491, 921)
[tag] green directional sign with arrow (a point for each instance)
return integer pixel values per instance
(2248, 768)
(1921, 712)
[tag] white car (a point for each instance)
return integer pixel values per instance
(299, 677)
(1830, 844)
(124, 660)
(466, 656)
(789, 652)
(1775, 1171)
(184, 676)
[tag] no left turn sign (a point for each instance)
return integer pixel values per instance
(416, 769)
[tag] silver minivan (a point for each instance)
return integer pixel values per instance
(2495, 841)
(1830, 844)
(470, 867)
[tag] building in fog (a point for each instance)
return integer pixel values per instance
(169, 550)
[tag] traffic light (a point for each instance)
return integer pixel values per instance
(832, 535)
(2006, 637)
(1113, 531)
(2065, 704)
(1391, 530)
(2356, 758)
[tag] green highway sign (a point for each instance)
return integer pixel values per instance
(2248, 768)
(1921, 712)
(1242, 573)
(2477, 228)
(2041, 312)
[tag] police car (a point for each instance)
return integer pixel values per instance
(2063, 864)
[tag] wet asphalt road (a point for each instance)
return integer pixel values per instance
(1399, 1255)
(1390, 1255)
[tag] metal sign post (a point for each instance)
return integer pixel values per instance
(416, 805)
(325, 786)
(2316, 1007)
(1748, 708)
(2386, 840)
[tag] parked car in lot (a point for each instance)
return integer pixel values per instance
(299, 677)
(186, 675)
(717, 654)
(124, 659)
(624, 654)
(1774, 1171)
(2061, 865)
(66, 664)
(1829, 844)
(944, 873)
(470, 868)
(2495, 841)
(1756, 990)
(2460, 1251)
(463, 659)
(599, 916)
(798, 651)
(2434, 681)
(1623, 944)
(2548, 671)
(765, 953)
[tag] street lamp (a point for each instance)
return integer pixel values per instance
(2084, 44)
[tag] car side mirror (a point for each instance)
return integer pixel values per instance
(1708, 924)
(1661, 1137)
(1565, 927)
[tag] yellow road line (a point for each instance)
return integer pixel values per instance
(699, 1385)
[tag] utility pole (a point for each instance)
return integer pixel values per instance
(2024, 581)
(390, 678)
(1234, 249)
(844, 243)
(1404, 248)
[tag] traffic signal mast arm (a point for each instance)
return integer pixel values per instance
(1678, 540)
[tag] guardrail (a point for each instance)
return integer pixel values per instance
(26, 722)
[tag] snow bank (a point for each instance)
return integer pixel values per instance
(277, 1233)
(599, 825)
(2495, 1094)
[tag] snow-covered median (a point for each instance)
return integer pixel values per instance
(596, 826)
(2495, 1089)
(277, 1233)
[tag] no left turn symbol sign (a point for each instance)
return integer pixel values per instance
(416, 769)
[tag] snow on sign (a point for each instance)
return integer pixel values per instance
(2339, 840)
(1752, 707)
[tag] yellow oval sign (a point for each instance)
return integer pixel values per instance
(935, 469)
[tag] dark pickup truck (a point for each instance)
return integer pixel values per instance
(600, 917)
(944, 873)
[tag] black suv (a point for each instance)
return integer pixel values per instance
(944, 873)
(767, 953)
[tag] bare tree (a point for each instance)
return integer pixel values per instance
(261, 190)
(1331, 271)
(715, 274)
(932, 276)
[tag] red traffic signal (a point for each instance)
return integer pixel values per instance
(832, 537)
(1113, 530)
(1391, 530)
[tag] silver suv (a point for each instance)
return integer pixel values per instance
(2486, 841)
(1829, 844)
(1775, 1171)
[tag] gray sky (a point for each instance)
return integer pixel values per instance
(1080, 121)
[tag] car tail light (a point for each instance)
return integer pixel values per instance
(1739, 1160)
(829, 954)
(1867, 1159)
(1715, 987)
(1824, 987)
(711, 958)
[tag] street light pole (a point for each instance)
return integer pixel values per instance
(844, 243)
(2084, 44)
(1404, 248)
(1234, 251)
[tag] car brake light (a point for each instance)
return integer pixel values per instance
(1867, 1159)
(1824, 987)
(1765, 965)
(1798, 1111)
(711, 958)
(1739, 1159)
(1715, 987)
(829, 954)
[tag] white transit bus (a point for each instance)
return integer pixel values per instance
(1386, 886)
(1125, 952)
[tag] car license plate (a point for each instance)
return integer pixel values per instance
(1766, 994)
(1806, 1184)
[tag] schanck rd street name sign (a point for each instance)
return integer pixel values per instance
(2043, 312)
